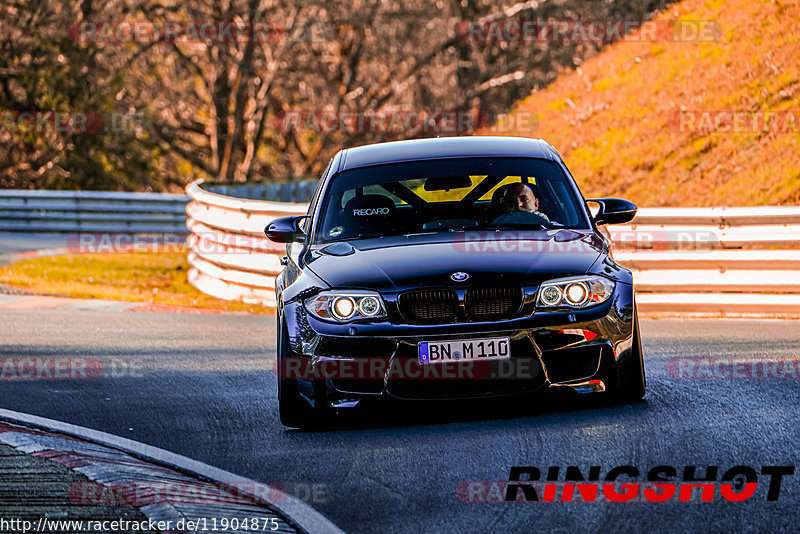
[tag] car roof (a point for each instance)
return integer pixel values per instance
(445, 147)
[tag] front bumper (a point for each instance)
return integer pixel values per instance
(346, 365)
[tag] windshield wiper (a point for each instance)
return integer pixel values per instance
(507, 226)
(363, 235)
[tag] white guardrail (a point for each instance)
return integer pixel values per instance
(91, 211)
(698, 260)
(229, 255)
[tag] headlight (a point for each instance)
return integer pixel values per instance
(575, 292)
(344, 306)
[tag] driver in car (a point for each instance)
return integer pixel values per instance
(522, 206)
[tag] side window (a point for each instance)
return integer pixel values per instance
(561, 211)
(306, 224)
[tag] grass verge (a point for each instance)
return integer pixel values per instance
(632, 121)
(154, 277)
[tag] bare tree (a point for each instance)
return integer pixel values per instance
(216, 107)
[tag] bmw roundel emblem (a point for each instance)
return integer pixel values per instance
(460, 276)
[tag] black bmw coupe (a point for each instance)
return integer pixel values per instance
(451, 268)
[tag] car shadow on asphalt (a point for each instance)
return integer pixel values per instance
(536, 407)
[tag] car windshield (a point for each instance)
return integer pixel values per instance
(449, 195)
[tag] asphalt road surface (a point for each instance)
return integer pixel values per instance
(198, 385)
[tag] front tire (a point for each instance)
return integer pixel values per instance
(631, 381)
(294, 410)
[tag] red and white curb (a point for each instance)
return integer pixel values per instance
(125, 466)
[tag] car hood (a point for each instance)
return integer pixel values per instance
(427, 260)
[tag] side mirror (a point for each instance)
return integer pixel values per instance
(286, 229)
(612, 210)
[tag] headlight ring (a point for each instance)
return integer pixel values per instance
(576, 292)
(345, 306)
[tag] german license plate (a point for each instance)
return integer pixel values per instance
(490, 348)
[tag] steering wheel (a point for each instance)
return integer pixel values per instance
(521, 217)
